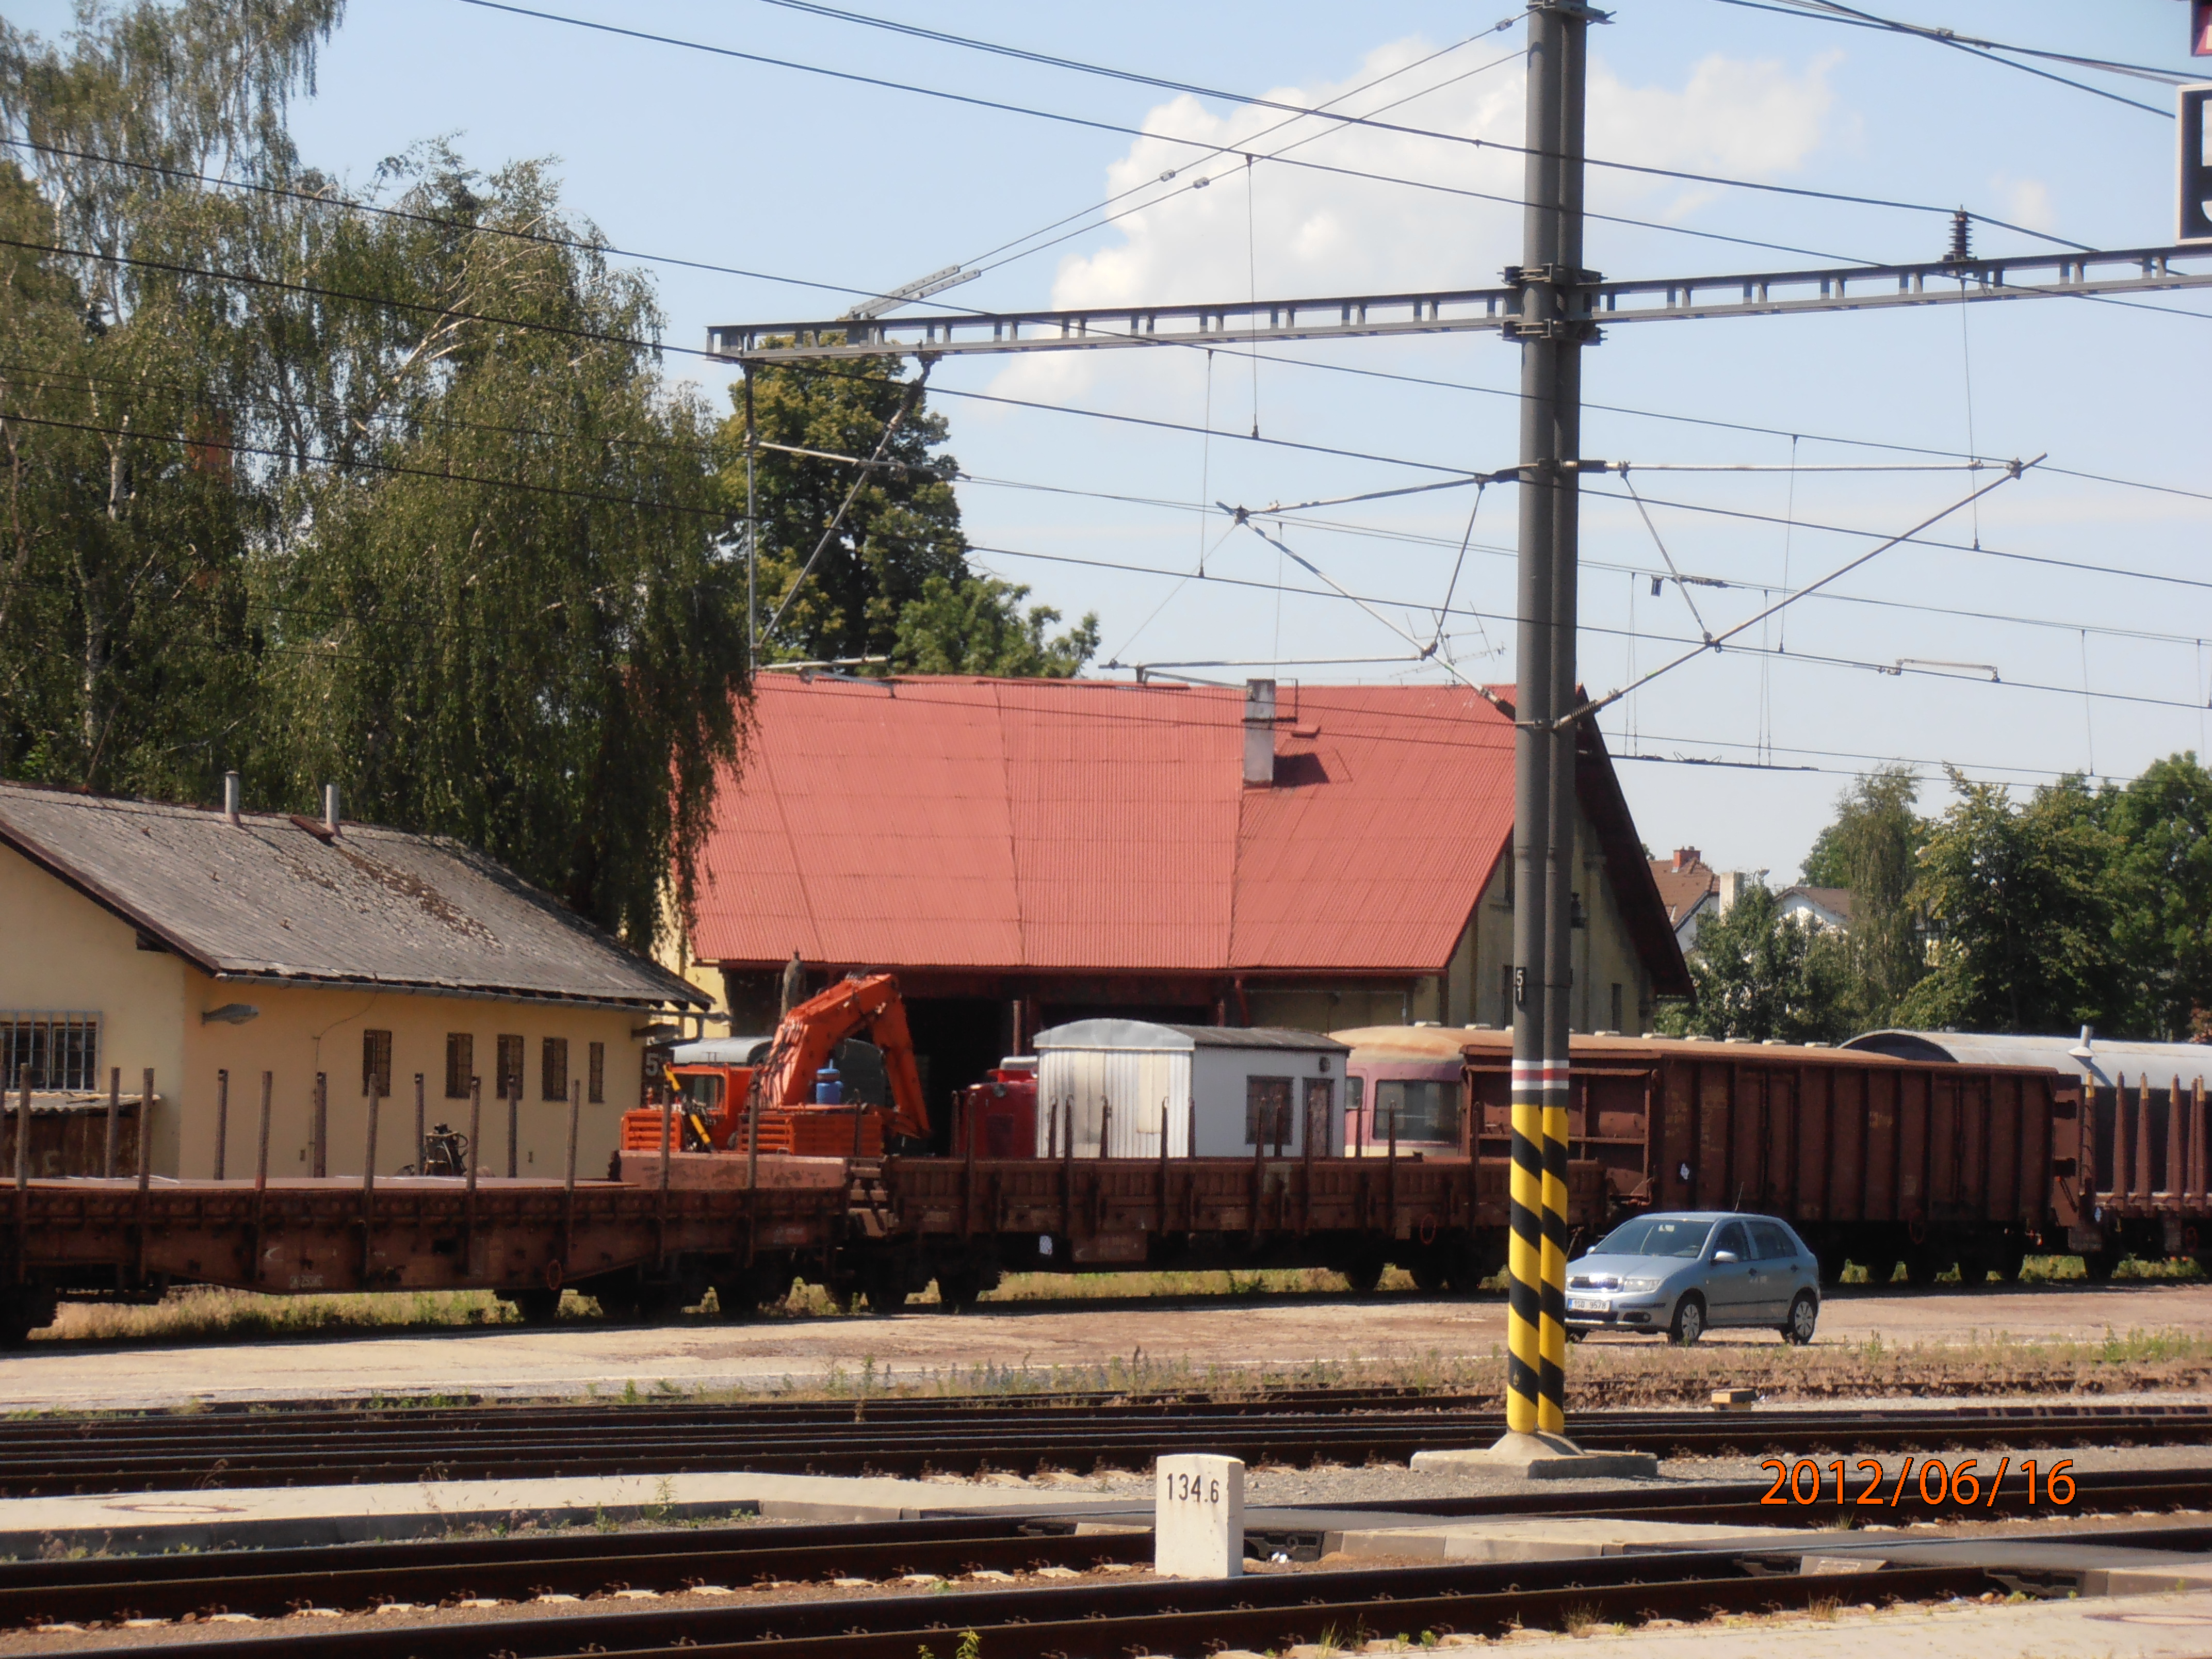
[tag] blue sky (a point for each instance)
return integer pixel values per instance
(678, 153)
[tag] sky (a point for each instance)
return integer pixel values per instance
(1995, 652)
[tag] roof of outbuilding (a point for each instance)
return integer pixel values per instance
(1682, 891)
(269, 899)
(1144, 1036)
(1084, 824)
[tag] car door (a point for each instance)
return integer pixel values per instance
(1778, 1270)
(1731, 1290)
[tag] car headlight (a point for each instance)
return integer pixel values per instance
(1639, 1284)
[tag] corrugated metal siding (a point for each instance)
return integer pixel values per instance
(1078, 1083)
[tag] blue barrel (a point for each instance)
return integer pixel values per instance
(828, 1087)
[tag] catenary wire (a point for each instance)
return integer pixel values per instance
(352, 205)
(1988, 50)
(882, 83)
(606, 337)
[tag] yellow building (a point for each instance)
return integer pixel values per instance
(233, 952)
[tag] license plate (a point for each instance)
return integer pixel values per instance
(1583, 1304)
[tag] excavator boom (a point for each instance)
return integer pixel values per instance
(866, 1005)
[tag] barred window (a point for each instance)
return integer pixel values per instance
(510, 1067)
(1266, 1111)
(596, 1088)
(376, 1063)
(50, 1049)
(460, 1064)
(553, 1069)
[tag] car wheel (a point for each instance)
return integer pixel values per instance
(1689, 1321)
(1804, 1315)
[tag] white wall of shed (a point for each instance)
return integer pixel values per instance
(1079, 1082)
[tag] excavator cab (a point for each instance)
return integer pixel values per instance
(857, 1026)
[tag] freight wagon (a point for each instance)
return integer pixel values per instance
(1921, 1161)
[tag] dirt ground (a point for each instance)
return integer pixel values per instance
(2129, 1336)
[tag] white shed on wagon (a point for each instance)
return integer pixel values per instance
(1213, 1090)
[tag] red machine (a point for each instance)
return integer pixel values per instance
(716, 1096)
(1000, 1112)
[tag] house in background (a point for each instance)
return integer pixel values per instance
(1028, 853)
(215, 946)
(1821, 908)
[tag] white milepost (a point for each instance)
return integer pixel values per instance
(1199, 1525)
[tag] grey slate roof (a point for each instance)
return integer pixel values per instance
(269, 899)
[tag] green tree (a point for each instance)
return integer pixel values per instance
(893, 581)
(978, 627)
(546, 665)
(2023, 909)
(2161, 880)
(1872, 849)
(1760, 974)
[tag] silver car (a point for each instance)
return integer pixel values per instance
(1685, 1272)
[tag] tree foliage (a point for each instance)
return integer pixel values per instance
(1760, 974)
(1872, 849)
(893, 581)
(389, 489)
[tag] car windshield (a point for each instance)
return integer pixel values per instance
(1653, 1235)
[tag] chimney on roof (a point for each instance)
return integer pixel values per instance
(1685, 857)
(1259, 734)
(330, 807)
(230, 796)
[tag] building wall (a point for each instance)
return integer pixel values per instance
(302, 1031)
(64, 953)
(1605, 954)
(61, 952)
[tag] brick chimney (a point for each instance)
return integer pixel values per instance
(1685, 857)
(1259, 734)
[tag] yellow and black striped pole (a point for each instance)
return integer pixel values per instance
(1526, 1286)
(1552, 1366)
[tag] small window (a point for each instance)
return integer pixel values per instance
(553, 1069)
(510, 1067)
(460, 1064)
(1505, 996)
(702, 1092)
(1266, 1111)
(376, 1063)
(1731, 1238)
(52, 1050)
(1617, 1025)
(595, 1090)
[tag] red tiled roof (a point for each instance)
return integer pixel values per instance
(1682, 889)
(977, 824)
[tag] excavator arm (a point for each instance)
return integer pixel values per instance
(867, 1005)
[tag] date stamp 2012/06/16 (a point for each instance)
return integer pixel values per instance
(1927, 1481)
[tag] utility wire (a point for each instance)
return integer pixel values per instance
(539, 237)
(1986, 49)
(1714, 642)
(1396, 128)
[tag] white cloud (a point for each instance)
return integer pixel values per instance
(1285, 230)
(2027, 201)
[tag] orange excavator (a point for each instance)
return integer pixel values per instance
(791, 1083)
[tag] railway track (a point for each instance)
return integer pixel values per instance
(1080, 1620)
(50, 1456)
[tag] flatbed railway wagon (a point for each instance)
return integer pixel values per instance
(1873, 1159)
(642, 1247)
